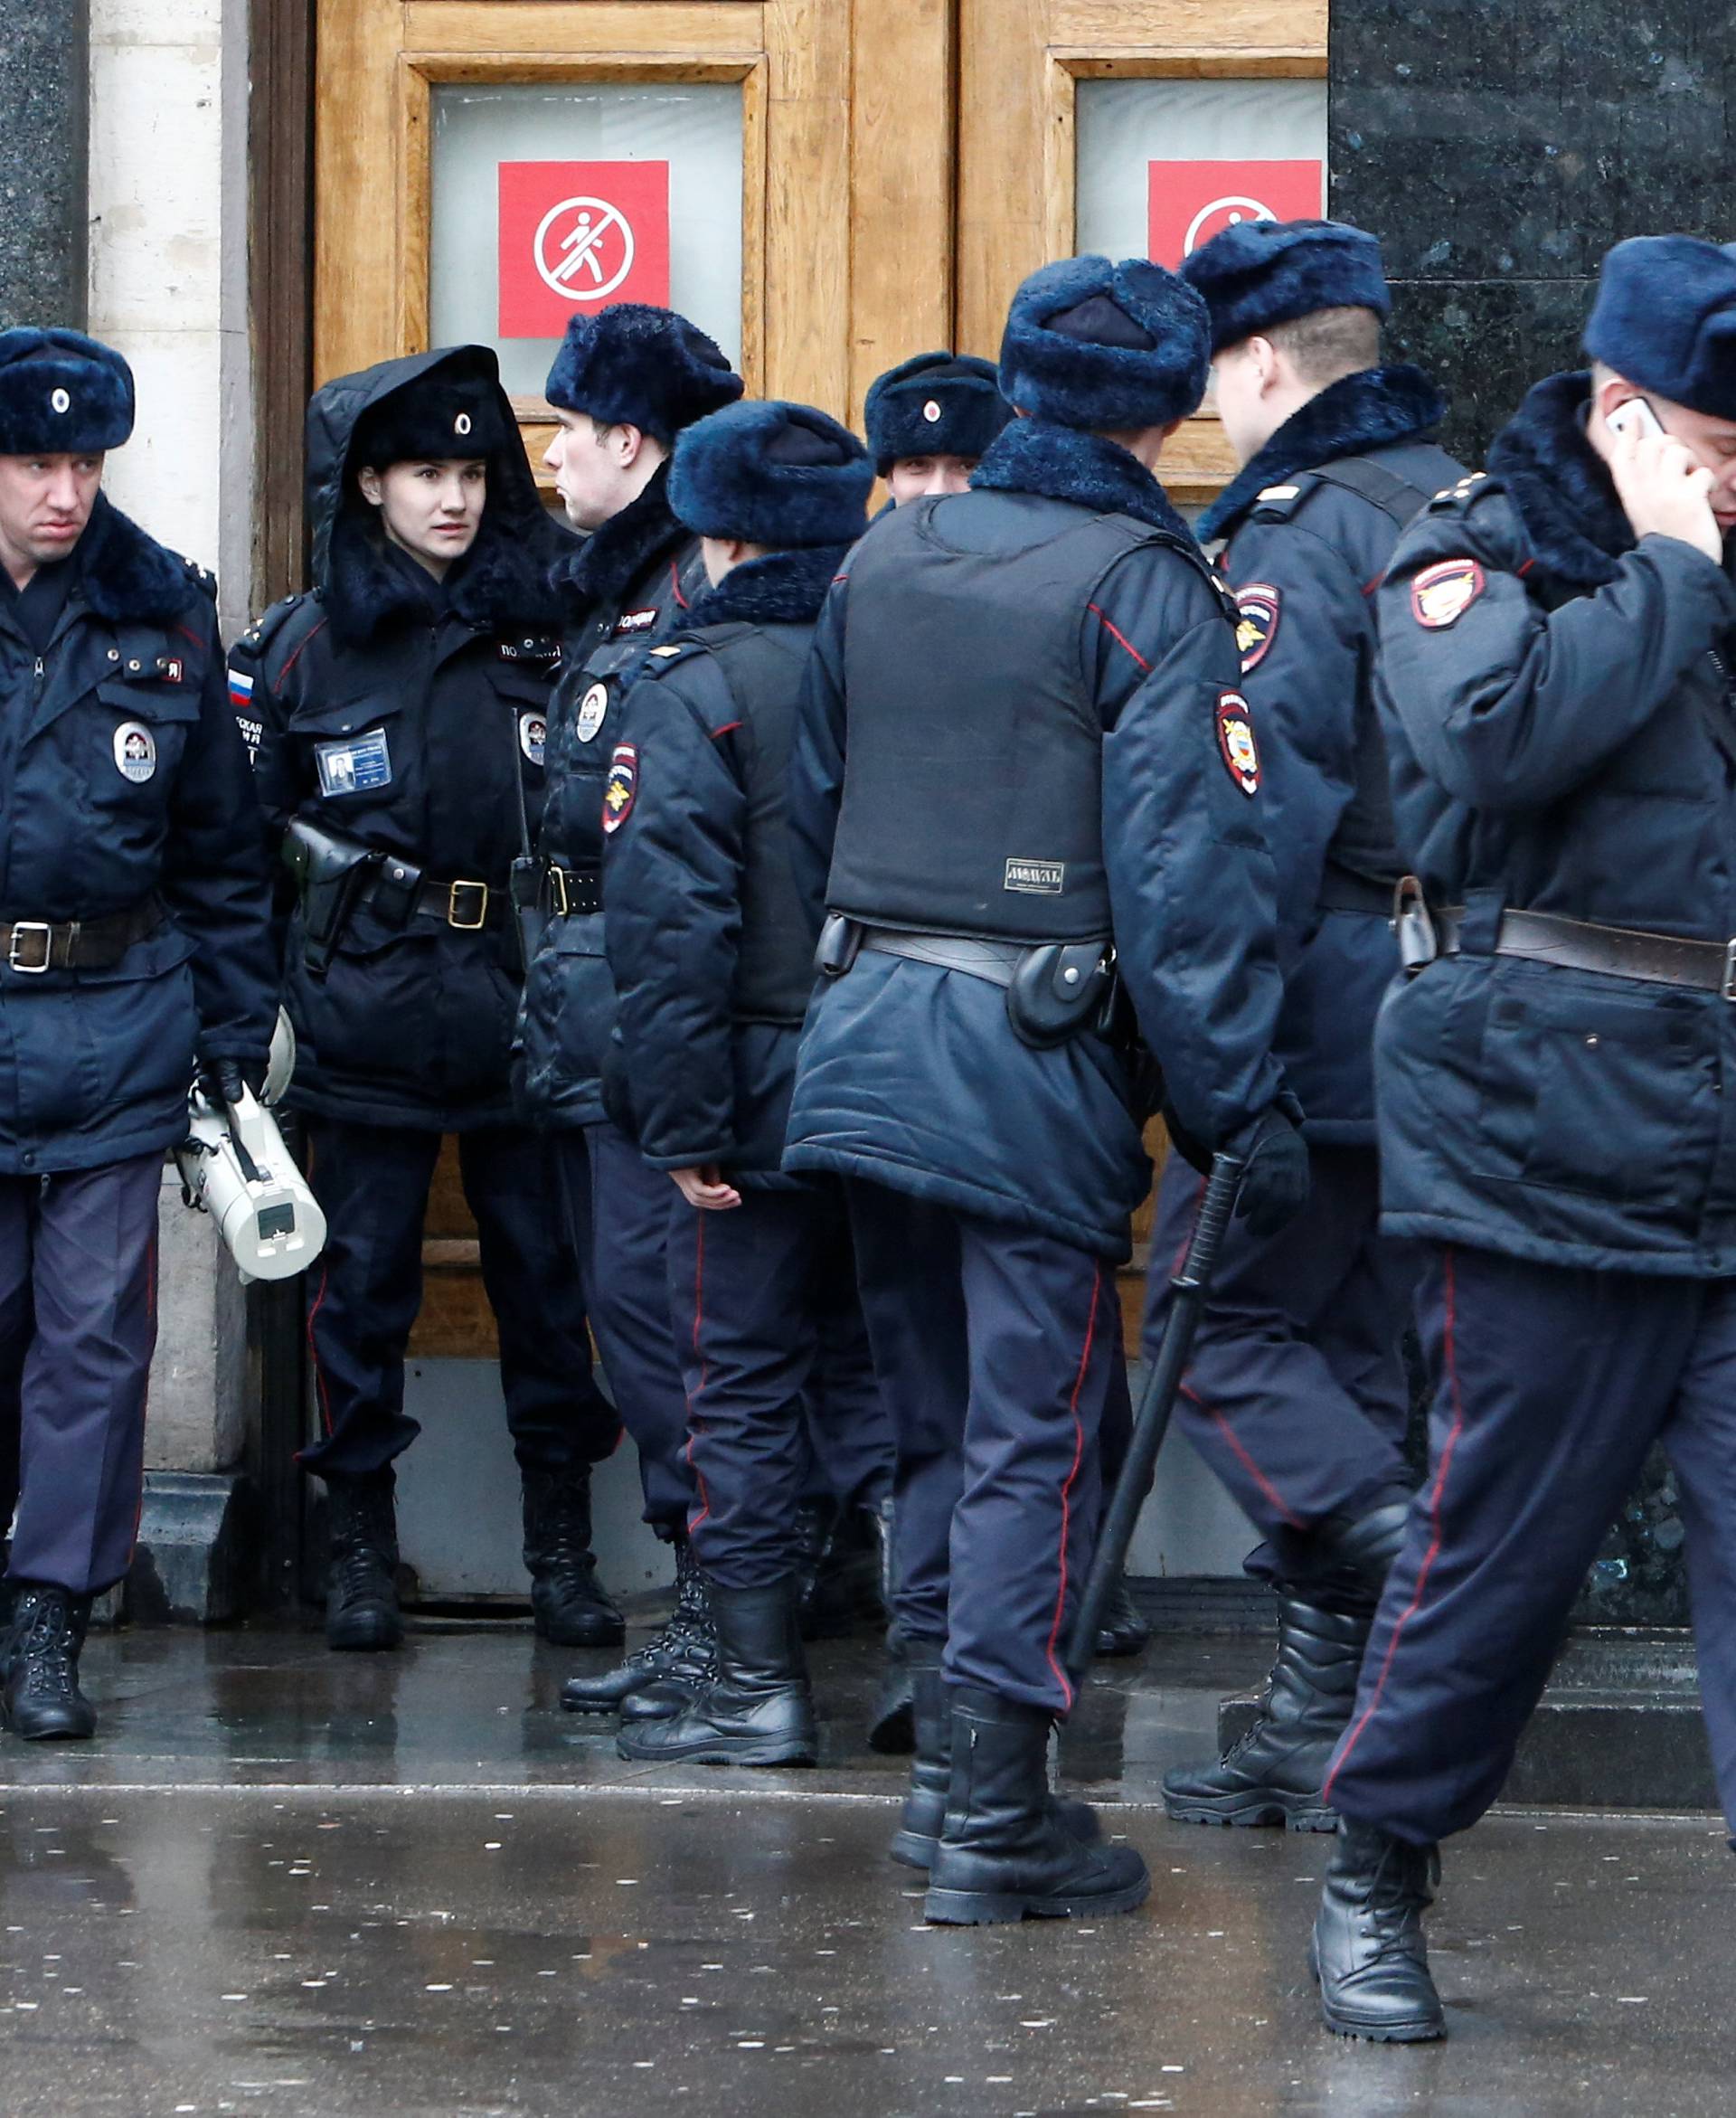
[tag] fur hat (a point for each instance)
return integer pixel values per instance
(778, 475)
(934, 404)
(435, 418)
(1104, 347)
(1665, 318)
(1259, 273)
(634, 366)
(62, 395)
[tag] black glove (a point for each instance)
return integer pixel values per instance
(1274, 1173)
(222, 1081)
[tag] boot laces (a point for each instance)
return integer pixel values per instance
(50, 1663)
(361, 1573)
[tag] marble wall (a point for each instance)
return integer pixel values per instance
(1498, 150)
(43, 51)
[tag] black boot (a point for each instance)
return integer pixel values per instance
(658, 1679)
(1003, 1855)
(1367, 1953)
(925, 1801)
(1273, 1773)
(1123, 1629)
(41, 1664)
(758, 1709)
(824, 1603)
(568, 1603)
(893, 1729)
(361, 1585)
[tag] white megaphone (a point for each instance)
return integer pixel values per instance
(235, 1168)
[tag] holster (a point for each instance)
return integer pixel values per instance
(331, 872)
(529, 913)
(1059, 989)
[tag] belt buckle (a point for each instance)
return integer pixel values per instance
(468, 926)
(30, 926)
(1727, 988)
(559, 898)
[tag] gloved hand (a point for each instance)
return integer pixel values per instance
(222, 1081)
(1274, 1174)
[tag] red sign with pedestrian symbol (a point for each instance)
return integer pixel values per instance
(579, 235)
(1191, 201)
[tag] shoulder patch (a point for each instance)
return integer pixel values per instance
(1257, 609)
(620, 789)
(1236, 744)
(1442, 593)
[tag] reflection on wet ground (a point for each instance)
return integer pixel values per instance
(312, 1886)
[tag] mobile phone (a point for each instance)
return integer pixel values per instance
(1633, 415)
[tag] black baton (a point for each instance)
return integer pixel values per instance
(1155, 1404)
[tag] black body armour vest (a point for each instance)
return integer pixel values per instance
(762, 667)
(973, 787)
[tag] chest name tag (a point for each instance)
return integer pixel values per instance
(631, 623)
(355, 767)
(135, 752)
(1037, 878)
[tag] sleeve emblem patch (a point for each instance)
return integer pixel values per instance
(620, 788)
(1236, 744)
(1257, 607)
(1442, 593)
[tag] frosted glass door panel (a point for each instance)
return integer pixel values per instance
(572, 196)
(1145, 180)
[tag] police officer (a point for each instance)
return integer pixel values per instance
(399, 714)
(930, 419)
(135, 933)
(624, 385)
(1556, 647)
(1297, 1396)
(713, 960)
(1019, 695)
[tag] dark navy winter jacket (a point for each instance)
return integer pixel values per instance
(1305, 554)
(910, 1075)
(121, 779)
(409, 716)
(711, 953)
(1558, 706)
(630, 583)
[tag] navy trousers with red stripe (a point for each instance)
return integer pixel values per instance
(1295, 1394)
(996, 1350)
(1555, 1383)
(373, 1182)
(754, 1292)
(78, 1325)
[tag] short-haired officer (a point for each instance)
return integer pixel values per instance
(930, 422)
(1023, 747)
(1297, 1395)
(713, 963)
(399, 713)
(135, 934)
(1556, 647)
(624, 385)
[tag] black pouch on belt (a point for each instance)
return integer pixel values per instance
(1059, 989)
(330, 871)
(530, 914)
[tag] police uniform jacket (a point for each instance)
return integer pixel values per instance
(1558, 704)
(711, 951)
(409, 716)
(123, 788)
(910, 1073)
(1309, 525)
(633, 580)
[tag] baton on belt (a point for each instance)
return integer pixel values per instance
(1156, 1402)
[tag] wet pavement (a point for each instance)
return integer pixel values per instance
(312, 1886)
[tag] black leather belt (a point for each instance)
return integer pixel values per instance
(468, 906)
(994, 960)
(570, 892)
(34, 945)
(1622, 952)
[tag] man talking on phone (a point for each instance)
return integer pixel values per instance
(1557, 642)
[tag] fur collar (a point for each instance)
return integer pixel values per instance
(782, 587)
(1370, 409)
(1558, 484)
(1069, 463)
(126, 576)
(500, 585)
(597, 574)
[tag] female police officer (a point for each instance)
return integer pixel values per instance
(398, 714)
